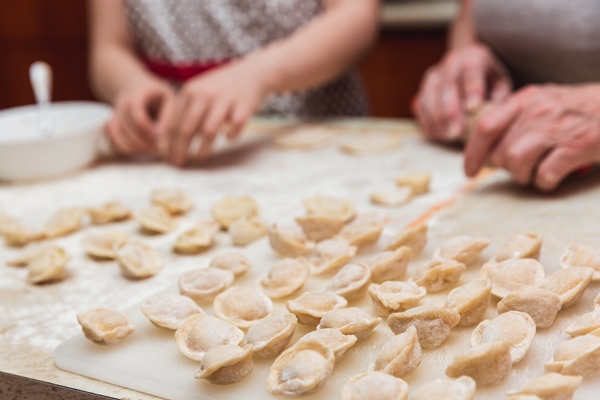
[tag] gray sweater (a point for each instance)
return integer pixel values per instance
(543, 40)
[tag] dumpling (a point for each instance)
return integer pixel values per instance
(540, 304)
(438, 274)
(361, 233)
(64, 222)
(413, 237)
(200, 333)
(109, 212)
(197, 239)
(393, 196)
(521, 245)
(226, 364)
(289, 241)
(156, 219)
(462, 388)
(304, 137)
(28, 255)
(514, 327)
(375, 385)
(374, 142)
(137, 260)
(418, 181)
(204, 284)
(175, 201)
(246, 230)
(319, 227)
(351, 282)
(230, 209)
(309, 307)
(513, 275)
(331, 206)
(579, 255)
(433, 324)
(302, 369)
(332, 338)
(17, 234)
(489, 364)
(584, 324)
(470, 301)
(242, 306)
(48, 265)
(395, 296)
(569, 284)
(551, 386)
(285, 277)
(6, 221)
(270, 335)
(231, 261)
(330, 255)
(102, 244)
(350, 321)
(169, 310)
(390, 265)
(105, 325)
(464, 249)
(401, 355)
(578, 356)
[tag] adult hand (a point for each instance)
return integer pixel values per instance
(226, 97)
(459, 84)
(132, 129)
(540, 135)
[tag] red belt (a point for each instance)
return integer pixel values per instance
(181, 71)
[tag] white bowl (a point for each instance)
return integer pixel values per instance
(26, 155)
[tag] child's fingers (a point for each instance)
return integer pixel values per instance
(212, 124)
(188, 125)
(239, 117)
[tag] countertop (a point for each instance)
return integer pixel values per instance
(36, 319)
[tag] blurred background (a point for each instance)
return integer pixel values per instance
(413, 37)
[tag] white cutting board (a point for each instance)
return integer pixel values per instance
(149, 361)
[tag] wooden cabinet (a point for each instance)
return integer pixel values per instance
(56, 32)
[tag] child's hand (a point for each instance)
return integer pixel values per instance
(132, 130)
(226, 97)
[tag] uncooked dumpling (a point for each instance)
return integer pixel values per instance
(204, 284)
(305, 137)
(330, 255)
(361, 233)
(462, 388)
(579, 255)
(332, 338)
(330, 206)
(270, 335)
(464, 249)
(231, 261)
(414, 237)
(522, 245)
(540, 304)
(242, 306)
(302, 369)
(102, 244)
(17, 234)
(401, 355)
(230, 209)
(197, 239)
(513, 275)
(156, 219)
(350, 321)
(584, 324)
(551, 386)
(417, 181)
(200, 333)
(371, 142)
(578, 356)
(309, 307)
(489, 364)
(285, 277)
(375, 385)
(175, 201)
(393, 196)
(569, 284)
(433, 324)
(319, 227)
(395, 296)
(169, 310)
(438, 274)
(226, 364)
(109, 212)
(514, 327)
(64, 222)
(48, 265)
(105, 325)
(137, 260)
(470, 301)
(351, 282)
(247, 229)
(390, 265)
(289, 241)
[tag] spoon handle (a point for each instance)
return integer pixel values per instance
(40, 75)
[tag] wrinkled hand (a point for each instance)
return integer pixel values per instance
(132, 129)
(459, 84)
(540, 135)
(224, 98)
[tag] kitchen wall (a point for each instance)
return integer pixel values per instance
(412, 38)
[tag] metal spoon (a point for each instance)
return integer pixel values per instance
(40, 75)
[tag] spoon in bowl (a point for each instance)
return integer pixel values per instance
(40, 75)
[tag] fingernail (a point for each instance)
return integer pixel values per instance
(548, 181)
(454, 131)
(472, 103)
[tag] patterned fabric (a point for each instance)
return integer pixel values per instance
(209, 31)
(543, 40)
